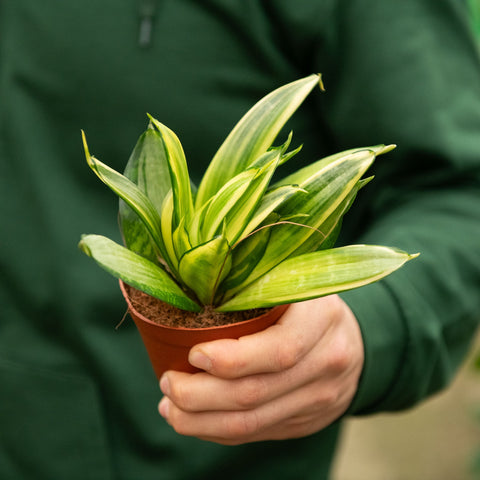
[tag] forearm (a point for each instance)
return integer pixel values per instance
(419, 322)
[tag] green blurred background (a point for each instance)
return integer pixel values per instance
(438, 440)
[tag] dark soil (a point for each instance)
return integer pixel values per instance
(164, 314)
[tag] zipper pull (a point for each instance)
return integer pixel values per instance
(147, 11)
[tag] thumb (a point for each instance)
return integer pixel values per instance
(274, 349)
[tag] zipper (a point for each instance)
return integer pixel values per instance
(147, 10)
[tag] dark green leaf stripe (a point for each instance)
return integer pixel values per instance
(245, 256)
(147, 168)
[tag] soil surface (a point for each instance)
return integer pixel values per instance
(165, 314)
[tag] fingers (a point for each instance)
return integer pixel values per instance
(299, 413)
(200, 392)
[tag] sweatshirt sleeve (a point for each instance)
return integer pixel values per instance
(409, 73)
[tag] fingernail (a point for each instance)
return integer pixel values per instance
(200, 360)
(164, 407)
(165, 385)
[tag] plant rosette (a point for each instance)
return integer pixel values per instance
(238, 242)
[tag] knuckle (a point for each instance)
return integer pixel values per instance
(175, 421)
(230, 366)
(324, 400)
(242, 425)
(181, 397)
(328, 398)
(287, 355)
(250, 392)
(341, 356)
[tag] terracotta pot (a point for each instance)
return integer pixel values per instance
(168, 347)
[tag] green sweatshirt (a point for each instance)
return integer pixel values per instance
(77, 396)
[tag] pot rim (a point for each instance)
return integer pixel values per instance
(281, 308)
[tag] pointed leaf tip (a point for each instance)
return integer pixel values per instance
(82, 245)
(387, 148)
(320, 82)
(253, 135)
(85, 148)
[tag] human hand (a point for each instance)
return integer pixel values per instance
(289, 381)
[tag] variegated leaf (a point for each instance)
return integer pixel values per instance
(204, 267)
(243, 210)
(245, 257)
(131, 194)
(327, 189)
(136, 271)
(224, 201)
(148, 169)
(302, 175)
(317, 274)
(253, 135)
(182, 192)
(166, 225)
(326, 234)
(269, 203)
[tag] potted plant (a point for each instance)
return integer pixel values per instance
(239, 243)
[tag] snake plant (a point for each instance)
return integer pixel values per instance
(239, 241)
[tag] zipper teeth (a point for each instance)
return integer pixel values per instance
(147, 10)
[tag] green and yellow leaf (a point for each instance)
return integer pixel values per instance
(204, 267)
(136, 271)
(179, 178)
(148, 169)
(317, 274)
(131, 194)
(254, 134)
(326, 190)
